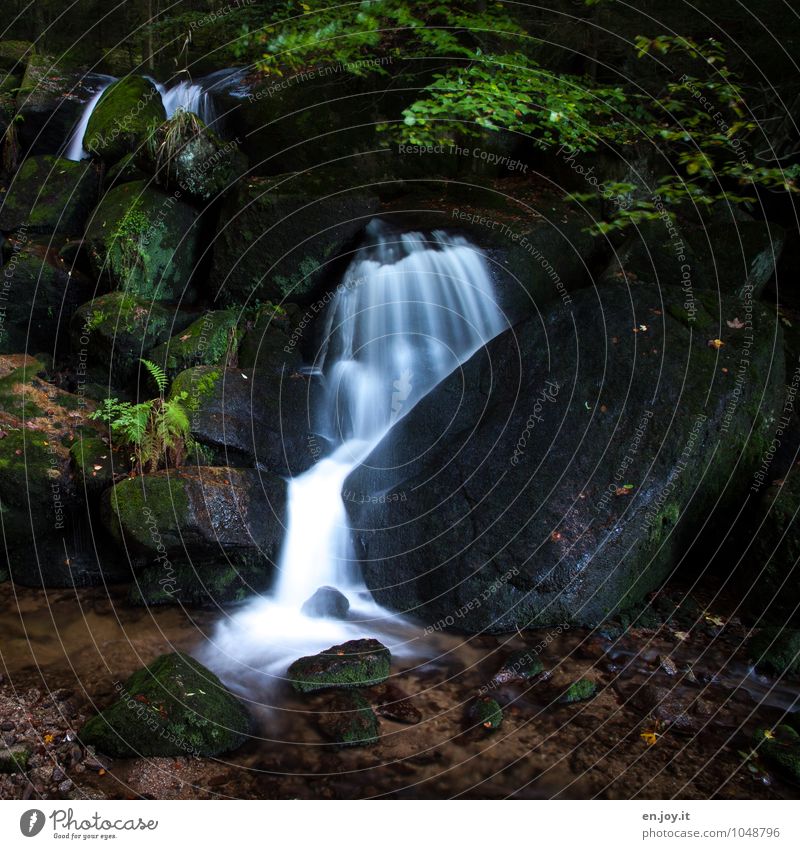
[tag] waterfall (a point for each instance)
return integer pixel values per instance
(74, 149)
(408, 312)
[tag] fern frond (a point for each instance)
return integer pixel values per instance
(157, 373)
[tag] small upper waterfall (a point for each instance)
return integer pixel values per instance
(408, 312)
(189, 96)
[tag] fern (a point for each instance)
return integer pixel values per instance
(157, 373)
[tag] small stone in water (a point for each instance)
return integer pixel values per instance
(327, 602)
(487, 712)
(580, 691)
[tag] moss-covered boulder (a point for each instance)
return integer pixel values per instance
(45, 513)
(347, 719)
(40, 295)
(188, 156)
(253, 417)
(278, 238)
(50, 195)
(203, 516)
(780, 747)
(211, 340)
(14, 758)
(736, 258)
(173, 707)
(14, 55)
(127, 170)
(111, 333)
(145, 242)
(487, 713)
(95, 462)
(777, 651)
(122, 118)
(769, 576)
(520, 665)
(356, 663)
(569, 489)
(579, 691)
(272, 340)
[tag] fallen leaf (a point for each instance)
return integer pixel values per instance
(735, 323)
(715, 343)
(715, 620)
(768, 735)
(681, 635)
(649, 737)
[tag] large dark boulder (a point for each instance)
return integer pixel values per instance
(123, 118)
(50, 195)
(253, 416)
(39, 297)
(278, 239)
(562, 473)
(145, 242)
(173, 707)
(198, 515)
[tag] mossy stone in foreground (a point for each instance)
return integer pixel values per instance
(580, 691)
(122, 119)
(487, 712)
(348, 720)
(777, 651)
(13, 759)
(519, 666)
(174, 706)
(781, 749)
(357, 663)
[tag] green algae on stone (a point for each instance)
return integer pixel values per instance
(780, 748)
(173, 707)
(356, 663)
(206, 341)
(579, 691)
(348, 719)
(487, 712)
(519, 666)
(122, 119)
(13, 759)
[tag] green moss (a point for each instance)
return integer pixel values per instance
(781, 749)
(357, 663)
(487, 713)
(13, 759)
(348, 720)
(777, 651)
(174, 706)
(205, 342)
(137, 503)
(123, 117)
(521, 664)
(580, 691)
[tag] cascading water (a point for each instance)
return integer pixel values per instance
(191, 97)
(408, 312)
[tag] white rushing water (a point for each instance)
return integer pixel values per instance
(407, 313)
(189, 96)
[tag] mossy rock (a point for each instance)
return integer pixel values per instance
(145, 242)
(40, 298)
(14, 55)
(781, 749)
(356, 663)
(197, 583)
(276, 239)
(95, 463)
(777, 651)
(127, 170)
(50, 195)
(520, 665)
(206, 341)
(347, 719)
(112, 332)
(271, 342)
(173, 707)
(210, 513)
(199, 162)
(487, 713)
(14, 759)
(122, 118)
(580, 691)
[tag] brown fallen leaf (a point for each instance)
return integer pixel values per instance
(735, 323)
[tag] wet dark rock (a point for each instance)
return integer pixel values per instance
(277, 238)
(211, 340)
(174, 706)
(392, 702)
(50, 195)
(356, 663)
(348, 720)
(777, 651)
(498, 480)
(327, 602)
(253, 417)
(520, 665)
(667, 705)
(487, 713)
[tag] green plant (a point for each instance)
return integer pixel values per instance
(157, 431)
(167, 140)
(128, 239)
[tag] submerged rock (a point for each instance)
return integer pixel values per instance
(145, 242)
(327, 602)
(50, 195)
(122, 119)
(356, 663)
(520, 665)
(348, 720)
(565, 489)
(487, 712)
(174, 706)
